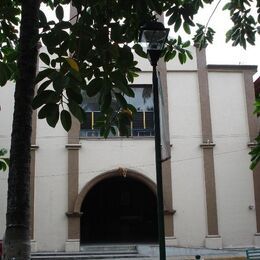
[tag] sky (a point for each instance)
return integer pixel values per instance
(221, 52)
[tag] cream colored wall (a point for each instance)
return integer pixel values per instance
(187, 162)
(234, 180)
(51, 188)
(100, 156)
(6, 115)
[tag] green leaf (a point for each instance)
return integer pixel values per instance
(121, 100)
(189, 54)
(3, 74)
(226, 6)
(170, 55)
(76, 110)
(186, 44)
(182, 58)
(47, 110)
(113, 130)
(74, 94)
(3, 152)
(113, 49)
(172, 19)
(106, 101)
(42, 18)
(177, 24)
(43, 74)
(139, 51)
(60, 82)
(4, 162)
(45, 58)
(229, 35)
(94, 86)
(186, 28)
(59, 12)
(44, 97)
(126, 57)
(44, 85)
(120, 82)
(53, 118)
(65, 118)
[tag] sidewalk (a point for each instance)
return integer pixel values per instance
(180, 253)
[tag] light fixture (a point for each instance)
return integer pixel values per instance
(154, 35)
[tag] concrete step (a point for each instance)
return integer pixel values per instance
(85, 257)
(93, 252)
(109, 248)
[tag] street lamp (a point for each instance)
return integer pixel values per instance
(154, 35)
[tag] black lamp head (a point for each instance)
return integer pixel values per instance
(154, 34)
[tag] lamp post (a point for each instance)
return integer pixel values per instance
(155, 35)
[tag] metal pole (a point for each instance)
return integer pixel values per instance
(158, 162)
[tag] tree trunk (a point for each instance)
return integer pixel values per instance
(17, 235)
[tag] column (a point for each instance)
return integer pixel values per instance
(73, 146)
(253, 132)
(213, 239)
(166, 165)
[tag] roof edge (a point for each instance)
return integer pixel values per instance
(229, 67)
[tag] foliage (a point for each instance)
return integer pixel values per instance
(4, 162)
(9, 20)
(255, 152)
(88, 54)
(91, 53)
(244, 28)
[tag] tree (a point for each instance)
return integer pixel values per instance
(89, 54)
(17, 235)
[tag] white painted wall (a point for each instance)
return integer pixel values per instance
(100, 156)
(187, 162)
(6, 115)
(234, 180)
(51, 187)
(234, 183)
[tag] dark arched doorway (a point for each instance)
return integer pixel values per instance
(119, 210)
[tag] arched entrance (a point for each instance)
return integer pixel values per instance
(119, 210)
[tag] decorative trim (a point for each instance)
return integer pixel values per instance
(226, 67)
(252, 145)
(169, 211)
(74, 214)
(73, 146)
(213, 236)
(72, 245)
(208, 145)
(115, 172)
(34, 147)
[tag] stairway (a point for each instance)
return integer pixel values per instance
(92, 252)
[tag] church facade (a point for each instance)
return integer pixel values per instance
(90, 190)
